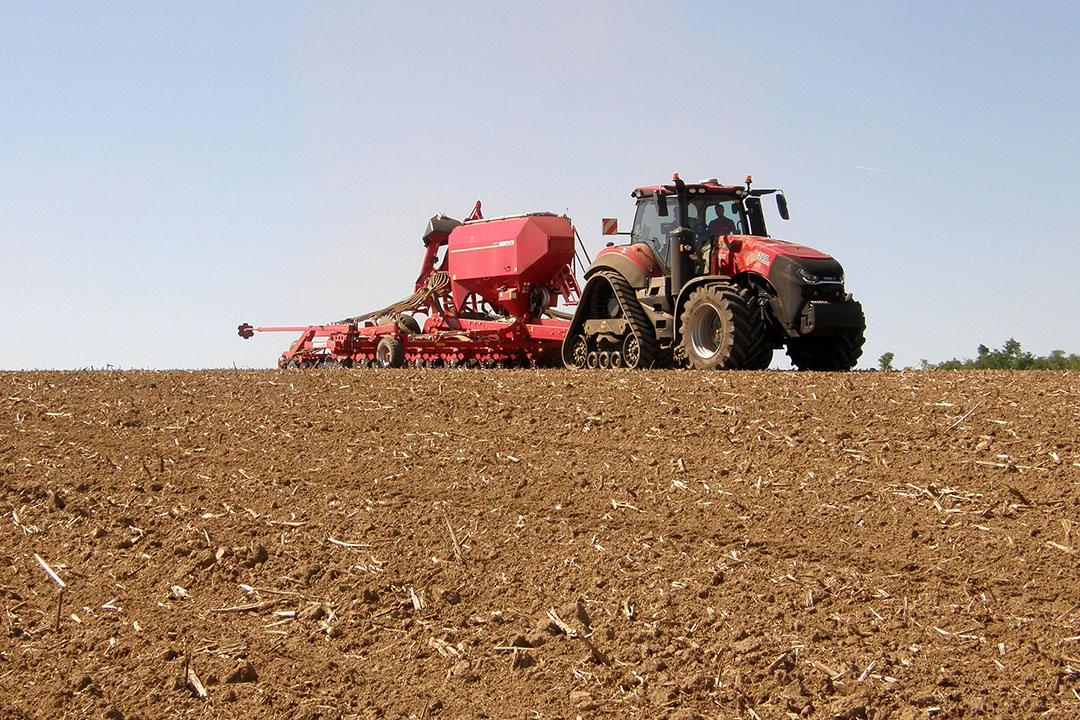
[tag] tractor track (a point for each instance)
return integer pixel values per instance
(630, 308)
(635, 313)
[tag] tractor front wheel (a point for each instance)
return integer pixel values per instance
(828, 353)
(721, 328)
(763, 359)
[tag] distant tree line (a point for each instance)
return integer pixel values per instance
(1010, 357)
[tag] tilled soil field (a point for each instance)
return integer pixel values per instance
(539, 544)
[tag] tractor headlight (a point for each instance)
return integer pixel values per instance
(811, 279)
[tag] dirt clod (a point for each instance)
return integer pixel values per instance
(243, 674)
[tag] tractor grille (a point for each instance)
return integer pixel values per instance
(828, 318)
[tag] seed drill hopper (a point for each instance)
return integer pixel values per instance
(486, 296)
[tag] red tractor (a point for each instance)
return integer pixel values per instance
(702, 283)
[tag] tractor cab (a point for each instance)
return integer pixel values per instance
(686, 226)
(711, 211)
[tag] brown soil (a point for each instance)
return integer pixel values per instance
(540, 544)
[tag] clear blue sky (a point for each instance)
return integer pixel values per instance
(170, 170)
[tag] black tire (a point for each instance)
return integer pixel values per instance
(390, 353)
(721, 328)
(831, 353)
(763, 360)
(408, 325)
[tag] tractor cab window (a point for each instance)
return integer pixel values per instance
(652, 229)
(708, 217)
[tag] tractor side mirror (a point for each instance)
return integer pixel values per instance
(781, 206)
(661, 204)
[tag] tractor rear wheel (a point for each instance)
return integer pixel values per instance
(827, 354)
(721, 328)
(390, 353)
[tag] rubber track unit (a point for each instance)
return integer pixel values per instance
(631, 310)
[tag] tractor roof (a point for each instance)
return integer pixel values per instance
(708, 186)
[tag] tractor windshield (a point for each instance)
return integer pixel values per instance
(718, 216)
(710, 216)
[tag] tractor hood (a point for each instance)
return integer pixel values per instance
(802, 278)
(775, 247)
(764, 256)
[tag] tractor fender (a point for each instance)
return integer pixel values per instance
(750, 280)
(629, 261)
